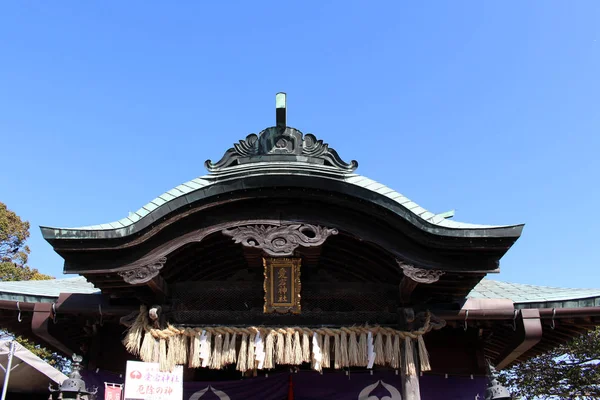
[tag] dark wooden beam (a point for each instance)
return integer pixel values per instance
(159, 287)
(407, 286)
(88, 304)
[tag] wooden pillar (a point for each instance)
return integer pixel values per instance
(410, 387)
(410, 383)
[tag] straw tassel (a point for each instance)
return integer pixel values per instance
(250, 361)
(344, 353)
(225, 350)
(353, 350)
(379, 354)
(164, 362)
(326, 362)
(317, 361)
(389, 349)
(280, 354)
(172, 344)
(177, 350)
(156, 351)
(409, 358)
(269, 350)
(242, 364)
(423, 354)
(147, 349)
(337, 361)
(297, 349)
(288, 353)
(194, 355)
(178, 347)
(305, 347)
(133, 338)
(231, 357)
(215, 359)
(182, 355)
(396, 356)
(363, 358)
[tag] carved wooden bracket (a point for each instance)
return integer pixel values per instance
(143, 274)
(420, 275)
(413, 276)
(281, 240)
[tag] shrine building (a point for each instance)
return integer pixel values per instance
(283, 273)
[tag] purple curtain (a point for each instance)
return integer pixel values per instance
(312, 385)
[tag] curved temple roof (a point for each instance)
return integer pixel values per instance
(279, 153)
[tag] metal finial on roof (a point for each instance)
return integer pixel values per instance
(280, 144)
(280, 110)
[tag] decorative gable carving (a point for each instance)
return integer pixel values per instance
(280, 240)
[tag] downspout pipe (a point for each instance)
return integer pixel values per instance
(528, 333)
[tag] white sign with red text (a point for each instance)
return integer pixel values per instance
(145, 381)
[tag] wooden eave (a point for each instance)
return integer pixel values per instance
(282, 205)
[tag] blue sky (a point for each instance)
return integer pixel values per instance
(489, 108)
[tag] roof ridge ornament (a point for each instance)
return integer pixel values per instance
(281, 143)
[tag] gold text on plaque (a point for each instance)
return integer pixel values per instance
(282, 285)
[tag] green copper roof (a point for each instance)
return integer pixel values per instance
(44, 291)
(530, 296)
(358, 180)
(269, 159)
(202, 187)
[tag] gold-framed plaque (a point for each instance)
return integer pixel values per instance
(282, 285)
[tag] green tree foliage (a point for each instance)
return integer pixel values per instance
(13, 251)
(13, 272)
(13, 267)
(571, 371)
(13, 235)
